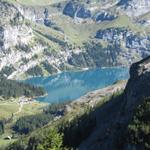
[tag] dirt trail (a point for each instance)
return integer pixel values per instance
(20, 109)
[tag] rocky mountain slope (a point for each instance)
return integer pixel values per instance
(40, 39)
(131, 7)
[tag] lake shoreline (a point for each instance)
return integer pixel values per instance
(93, 97)
(74, 71)
(69, 86)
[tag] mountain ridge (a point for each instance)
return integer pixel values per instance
(40, 37)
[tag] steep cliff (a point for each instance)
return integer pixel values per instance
(138, 87)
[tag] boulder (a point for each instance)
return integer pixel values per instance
(76, 10)
(83, 13)
(104, 16)
(70, 9)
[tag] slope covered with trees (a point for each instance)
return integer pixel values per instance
(27, 124)
(11, 88)
(138, 131)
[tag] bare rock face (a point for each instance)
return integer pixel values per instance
(70, 9)
(135, 7)
(9, 14)
(1, 37)
(19, 35)
(13, 31)
(138, 87)
(104, 16)
(128, 39)
(76, 10)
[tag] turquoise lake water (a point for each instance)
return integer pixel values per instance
(69, 86)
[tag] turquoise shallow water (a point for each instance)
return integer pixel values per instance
(69, 86)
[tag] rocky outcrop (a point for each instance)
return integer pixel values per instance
(126, 38)
(18, 44)
(138, 87)
(104, 16)
(144, 22)
(9, 14)
(76, 10)
(13, 31)
(111, 34)
(83, 13)
(40, 14)
(70, 9)
(1, 37)
(20, 35)
(86, 9)
(131, 6)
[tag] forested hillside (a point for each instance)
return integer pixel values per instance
(12, 88)
(138, 131)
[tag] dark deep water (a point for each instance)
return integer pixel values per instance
(72, 85)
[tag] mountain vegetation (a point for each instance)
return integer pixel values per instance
(27, 124)
(71, 134)
(138, 131)
(12, 88)
(53, 140)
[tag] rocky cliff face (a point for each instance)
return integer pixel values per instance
(126, 38)
(11, 23)
(104, 16)
(138, 87)
(85, 10)
(76, 10)
(131, 7)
